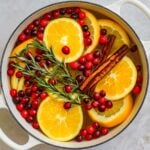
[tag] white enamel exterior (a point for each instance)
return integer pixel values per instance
(5, 85)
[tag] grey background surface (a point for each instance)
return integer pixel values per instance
(137, 135)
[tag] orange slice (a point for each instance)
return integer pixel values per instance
(119, 81)
(58, 123)
(117, 114)
(64, 32)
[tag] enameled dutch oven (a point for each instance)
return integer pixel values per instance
(36, 137)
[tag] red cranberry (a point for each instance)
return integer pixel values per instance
(62, 11)
(82, 15)
(52, 81)
(102, 100)
(83, 132)
(136, 89)
(27, 83)
(76, 10)
(101, 108)
(81, 67)
(19, 107)
(74, 65)
(38, 73)
(102, 93)
(13, 92)
(88, 106)
(34, 32)
(27, 77)
(103, 40)
(41, 29)
(16, 100)
(86, 100)
(68, 88)
(69, 10)
(40, 35)
(67, 105)
(96, 125)
(79, 138)
(90, 129)
(43, 95)
(27, 31)
(88, 137)
(10, 72)
(43, 23)
(35, 104)
(30, 26)
(104, 131)
(103, 32)
(87, 73)
(48, 63)
(74, 16)
(25, 100)
(89, 57)
(56, 13)
(34, 88)
(79, 78)
(38, 58)
(24, 113)
(32, 112)
(28, 92)
(85, 28)
(28, 106)
(95, 61)
(42, 63)
(95, 104)
(81, 22)
(22, 37)
(138, 68)
(96, 95)
(87, 41)
(97, 54)
(35, 125)
(82, 60)
(21, 93)
(47, 16)
(36, 22)
(11, 64)
(66, 50)
(109, 104)
(86, 34)
(34, 95)
(139, 80)
(29, 119)
(19, 74)
(96, 134)
(88, 65)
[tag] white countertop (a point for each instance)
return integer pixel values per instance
(137, 134)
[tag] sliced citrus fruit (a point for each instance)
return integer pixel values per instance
(115, 115)
(119, 81)
(64, 32)
(92, 23)
(58, 123)
(114, 28)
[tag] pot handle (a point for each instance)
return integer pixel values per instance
(117, 6)
(30, 143)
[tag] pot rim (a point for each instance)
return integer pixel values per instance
(84, 2)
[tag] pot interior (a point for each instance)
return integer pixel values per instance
(100, 12)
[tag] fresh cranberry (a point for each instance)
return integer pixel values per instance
(88, 137)
(38, 58)
(25, 100)
(11, 64)
(43, 95)
(86, 100)
(97, 134)
(22, 37)
(38, 73)
(103, 32)
(96, 125)
(56, 13)
(29, 119)
(43, 23)
(67, 105)
(83, 132)
(66, 50)
(139, 80)
(95, 104)
(30, 26)
(28, 106)
(35, 104)
(96, 95)
(40, 35)
(95, 61)
(81, 68)
(27, 32)
(27, 83)
(101, 108)
(79, 138)
(89, 57)
(36, 22)
(41, 29)
(52, 81)
(21, 93)
(27, 77)
(13, 92)
(104, 131)
(82, 15)
(138, 68)
(68, 88)
(136, 89)
(62, 11)
(85, 28)
(77, 10)
(42, 63)
(90, 129)
(48, 63)
(28, 92)
(10, 72)
(34, 95)
(32, 112)
(88, 65)
(86, 34)
(34, 88)
(19, 74)
(47, 16)
(19, 107)
(69, 10)
(82, 60)
(97, 54)
(81, 22)
(103, 40)
(79, 78)
(102, 93)
(24, 113)
(109, 104)
(16, 100)
(88, 106)
(87, 41)
(102, 100)
(74, 65)
(34, 32)
(35, 125)
(28, 55)
(87, 73)
(74, 16)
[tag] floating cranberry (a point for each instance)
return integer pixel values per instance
(29, 119)
(34, 95)
(28, 106)
(21, 93)
(66, 50)
(40, 35)
(83, 132)
(97, 134)
(36, 22)
(103, 40)
(68, 88)
(27, 77)
(38, 58)
(81, 68)
(28, 92)
(79, 138)
(35, 125)
(56, 13)
(104, 131)
(34, 32)
(82, 60)
(34, 88)
(48, 63)
(16, 100)
(138, 68)
(90, 129)
(27, 83)
(87, 41)
(81, 22)
(42, 63)
(82, 15)
(97, 54)
(19, 74)
(85, 28)
(74, 65)
(95, 61)
(109, 104)
(74, 16)
(38, 73)
(32, 112)
(96, 125)
(102, 100)
(88, 65)
(13, 92)
(76, 10)
(41, 29)
(24, 113)
(95, 104)
(67, 105)
(62, 11)
(27, 31)
(102, 93)
(139, 80)
(43, 95)
(96, 95)
(88, 137)
(25, 100)
(102, 108)
(47, 16)
(103, 32)
(88, 106)
(11, 64)
(79, 78)
(52, 81)
(10, 72)
(69, 10)
(20, 107)
(30, 26)
(87, 73)
(86, 100)
(22, 37)
(35, 104)
(86, 34)
(89, 57)
(43, 23)
(136, 89)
